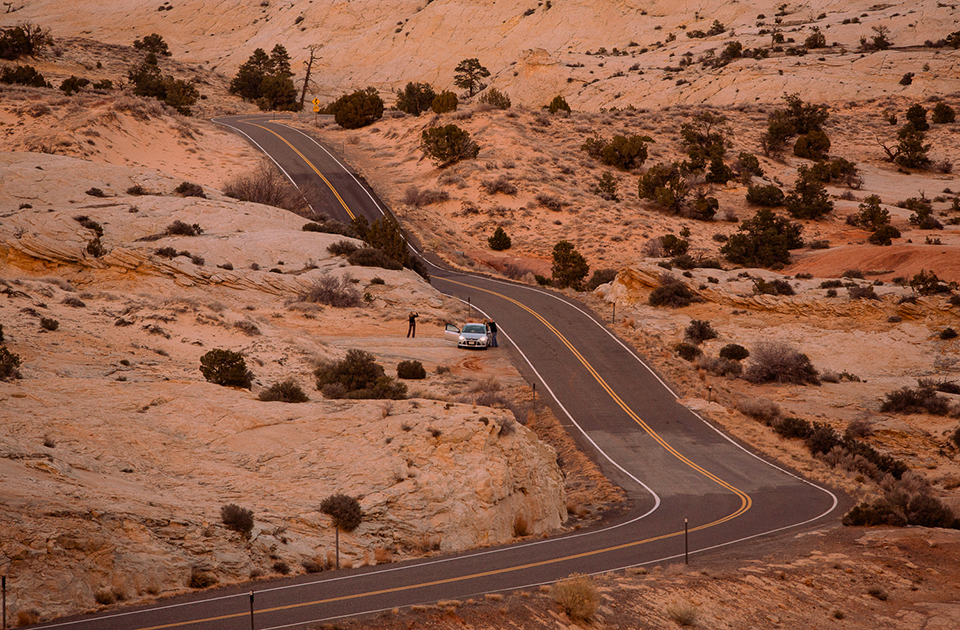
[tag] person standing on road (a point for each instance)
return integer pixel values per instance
(492, 325)
(412, 329)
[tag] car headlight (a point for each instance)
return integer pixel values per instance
(483, 339)
(461, 338)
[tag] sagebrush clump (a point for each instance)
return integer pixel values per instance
(226, 367)
(237, 519)
(288, 391)
(357, 376)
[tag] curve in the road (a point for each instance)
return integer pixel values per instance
(675, 465)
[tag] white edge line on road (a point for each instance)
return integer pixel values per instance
(668, 388)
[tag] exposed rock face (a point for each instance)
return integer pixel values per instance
(117, 456)
(597, 54)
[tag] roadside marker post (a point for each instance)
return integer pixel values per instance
(251, 610)
(686, 543)
(3, 579)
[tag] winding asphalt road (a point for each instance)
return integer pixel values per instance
(675, 466)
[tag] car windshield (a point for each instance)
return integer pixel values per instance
(474, 328)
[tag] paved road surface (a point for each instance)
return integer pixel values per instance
(675, 466)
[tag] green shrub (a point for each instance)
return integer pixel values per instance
(357, 376)
(836, 170)
(495, 98)
(73, 84)
(750, 163)
(621, 152)
(927, 283)
(237, 519)
(288, 391)
(569, 266)
(411, 370)
(699, 331)
(943, 114)
(734, 352)
(373, 257)
(703, 208)
(500, 240)
(765, 195)
(671, 292)
(917, 116)
(674, 246)
(445, 102)
(357, 109)
(447, 145)
(915, 400)
(23, 75)
(147, 80)
(871, 215)
(343, 510)
(226, 367)
(687, 352)
(9, 362)
(153, 43)
(813, 145)
(558, 104)
(821, 439)
(809, 199)
(665, 185)
(415, 98)
(773, 361)
(773, 287)
(763, 240)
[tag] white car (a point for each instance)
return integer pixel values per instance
(472, 335)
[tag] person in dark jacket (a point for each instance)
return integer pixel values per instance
(412, 329)
(492, 325)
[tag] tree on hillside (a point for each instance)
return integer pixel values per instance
(469, 75)
(764, 240)
(147, 80)
(152, 43)
(569, 266)
(416, 98)
(23, 40)
(447, 145)
(267, 80)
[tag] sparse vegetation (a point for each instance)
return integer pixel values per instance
(500, 240)
(9, 364)
(268, 186)
(332, 291)
(672, 292)
(699, 331)
(415, 98)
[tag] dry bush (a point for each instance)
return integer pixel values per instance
(761, 409)
(331, 291)
(577, 597)
(499, 185)
(237, 519)
(776, 361)
(487, 384)
(267, 186)
(521, 527)
(683, 613)
(719, 366)
(413, 196)
(288, 391)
